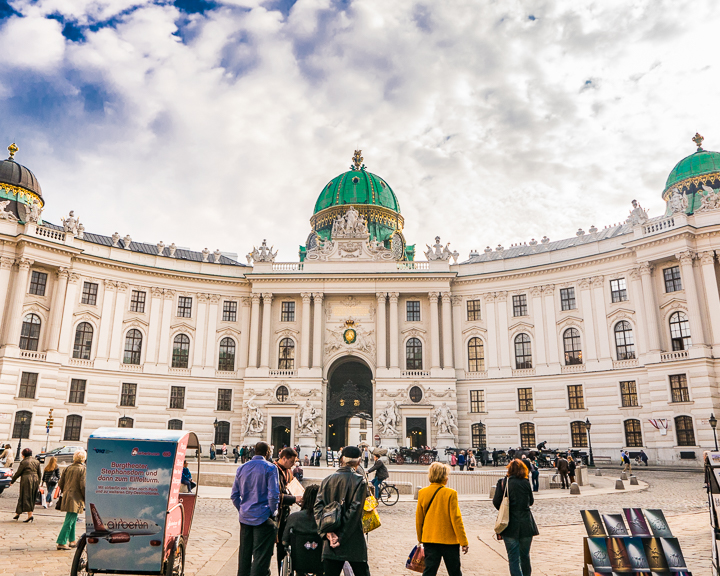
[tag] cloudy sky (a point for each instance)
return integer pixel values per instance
(216, 123)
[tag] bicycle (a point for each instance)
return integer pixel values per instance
(389, 494)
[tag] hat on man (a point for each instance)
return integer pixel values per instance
(351, 452)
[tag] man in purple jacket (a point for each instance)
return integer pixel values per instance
(255, 494)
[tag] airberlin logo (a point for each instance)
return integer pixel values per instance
(120, 524)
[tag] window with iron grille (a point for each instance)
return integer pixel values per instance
(28, 385)
(479, 439)
(567, 298)
(222, 433)
(476, 355)
(38, 281)
(73, 424)
(282, 393)
(83, 341)
(229, 311)
(679, 388)
(684, 430)
(287, 312)
(673, 282)
(578, 434)
(126, 422)
(413, 354)
(680, 331)
(624, 341)
(133, 347)
(571, 343)
(618, 290)
(633, 434)
(575, 397)
(226, 359)
(628, 393)
(77, 391)
(30, 333)
(23, 422)
(89, 293)
(181, 351)
(177, 397)
(525, 399)
(224, 401)
(137, 301)
(128, 394)
(473, 310)
(412, 308)
(286, 354)
(416, 394)
(527, 435)
(520, 305)
(523, 352)
(477, 401)
(184, 307)
(175, 424)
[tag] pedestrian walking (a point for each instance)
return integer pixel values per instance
(50, 477)
(535, 474)
(236, 453)
(28, 473)
(223, 452)
(7, 458)
(643, 457)
(471, 461)
(521, 529)
(347, 543)
(453, 460)
(571, 468)
(381, 474)
(284, 464)
(366, 456)
(72, 486)
(256, 494)
(627, 465)
(563, 467)
(298, 472)
(212, 451)
(439, 524)
(461, 460)
(495, 457)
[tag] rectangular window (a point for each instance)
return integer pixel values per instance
(679, 388)
(628, 393)
(567, 298)
(520, 305)
(73, 423)
(477, 400)
(77, 391)
(575, 397)
(177, 397)
(184, 307)
(287, 312)
(89, 293)
(473, 310)
(673, 283)
(525, 399)
(578, 434)
(128, 394)
(618, 290)
(38, 281)
(28, 385)
(137, 301)
(229, 311)
(224, 402)
(412, 308)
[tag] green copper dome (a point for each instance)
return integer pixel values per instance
(357, 187)
(688, 176)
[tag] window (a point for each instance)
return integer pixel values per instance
(413, 354)
(23, 421)
(226, 360)
(125, 422)
(567, 298)
(412, 308)
(525, 399)
(286, 354)
(685, 432)
(30, 333)
(673, 283)
(184, 307)
(416, 394)
(77, 391)
(282, 393)
(128, 394)
(181, 351)
(520, 305)
(473, 310)
(177, 397)
(476, 355)
(224, 401)
(523, 352)
(680, 331)
(137, 301)
(576, 401)
(628, 393)
(287, 312)
(571, 343)
(89, 293)
(633, 434)
(175, 424)
(618, 290)
(28, 385)
(222, 433)
(73, 423)
(229, 311)
(624, 341)
(83, 341)
(679, 388)
(38, 281)
(477, 401)
(479, 439)
(133, 346)
(578, 434)
(527, 435)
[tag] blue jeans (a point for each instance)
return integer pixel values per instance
(518, 551)
(536, 480)
(376, 483)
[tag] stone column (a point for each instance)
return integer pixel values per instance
(447, 336)
(394, 332)
(691, 295)
(116, 338)
(590, 352)
(503, 332)
(167, 310)
(305, 331)
(381, 330)
(6, 265)
(200, 332)
(650, 308)
(266, 322)
(636, 295)
(212, 318)
(603, 336)
(244, 332)
(67, 316)
(458, 347)
(254, 331)
(57, 308)
(16, 305)
(154, 329)
(434, 331)
(553, 356)
(707, 262)
(537, 310)
(317, 330)
(492, 350)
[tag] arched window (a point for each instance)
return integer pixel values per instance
(286, 354)
(476, 355)
(23, 420)
(527, 435)
(523, 352)
(680, 331)
(571, 343)
(226, 359)
(633, 433)
(624, 341)
(578, 434)
(685, 432)
(181, 351)
(133, 347)
(413, 354)
(73, 423)
(416, 394)
(30, 334)
(282, 393)
(125, 422)
(175, 424)
(83, 341)
(479, 439)
(222, 432)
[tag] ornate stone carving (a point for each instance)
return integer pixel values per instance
(446, 298)
(122, 287)
(205, 254)
(33, 212)
(168, 294)
(160, 247)
(156, 292)
(213, 298)
(678, 202)
(74, 278)
(81, 231)
(24, 263)
(115, 239)
(254, 419)
(489, 297)
(393, 297)
(536, 291)
(267, 298)
(126, 242)
(710, 200)
(262, 254)
(350, 250)
(172, 250)
(306, 419)
(707, 257)
(501, 296)
(6, 263)
(202, 298)
(381, 297)
(433, 297)
(246, 301)
(216, 256)
(351, 225)
(548, 289)
(645, 268)
(440, 252)
(635, 273)
(306, 297)
(597, 281)
(584, 283)
(638, 215)
(444, 420)
(389, 420)
(350, 336)
(70, 224)
(457, 300)
(256, 298)
(685, 258)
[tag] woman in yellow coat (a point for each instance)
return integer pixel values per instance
(439, 523)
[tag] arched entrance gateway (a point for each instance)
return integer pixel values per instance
(349, 404)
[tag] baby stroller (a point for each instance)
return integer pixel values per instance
(304, 555)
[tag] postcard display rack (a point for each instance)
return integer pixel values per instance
(647, 548)
(712, 482)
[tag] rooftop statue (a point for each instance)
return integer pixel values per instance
(351, 225)
(678, 202)
(70, 224)
(6, 214)
(638, 215)
(262, 254)
(440, 252)
(711, 199)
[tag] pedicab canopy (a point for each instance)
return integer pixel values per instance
(134, 512)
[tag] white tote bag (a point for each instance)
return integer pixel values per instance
(503, 517)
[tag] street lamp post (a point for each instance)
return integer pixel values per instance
(713, 423)
(587, 427)
(215, 425)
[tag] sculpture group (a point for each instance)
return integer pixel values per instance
(444, 420)
(351, 225)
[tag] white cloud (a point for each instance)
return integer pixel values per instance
(33, 43)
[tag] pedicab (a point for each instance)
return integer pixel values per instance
(137, 520)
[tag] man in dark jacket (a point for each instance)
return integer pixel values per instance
(381, 474)
(563, 467)
(284, 463)
(495, 457)
(347, 544)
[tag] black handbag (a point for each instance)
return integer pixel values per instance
(331, 519)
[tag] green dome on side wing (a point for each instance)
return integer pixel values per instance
(691, 173)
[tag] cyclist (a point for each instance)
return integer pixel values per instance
(381, 474)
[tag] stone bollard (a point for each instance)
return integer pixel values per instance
(417, 492)
(492, 492)
(619, 485)
(574, 489)
(598, 472)
(623, 476)
(633, 481)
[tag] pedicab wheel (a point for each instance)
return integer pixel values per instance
(176, 561)
(389, 495)
(80, 561)
(426, 459)
(399, 459)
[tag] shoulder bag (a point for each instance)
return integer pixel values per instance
(331, 519)
(416, 560)
(503, 517)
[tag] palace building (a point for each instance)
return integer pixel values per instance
(364, 338)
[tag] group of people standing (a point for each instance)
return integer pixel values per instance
(463, 458)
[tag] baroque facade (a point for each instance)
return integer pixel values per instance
(359, 339)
